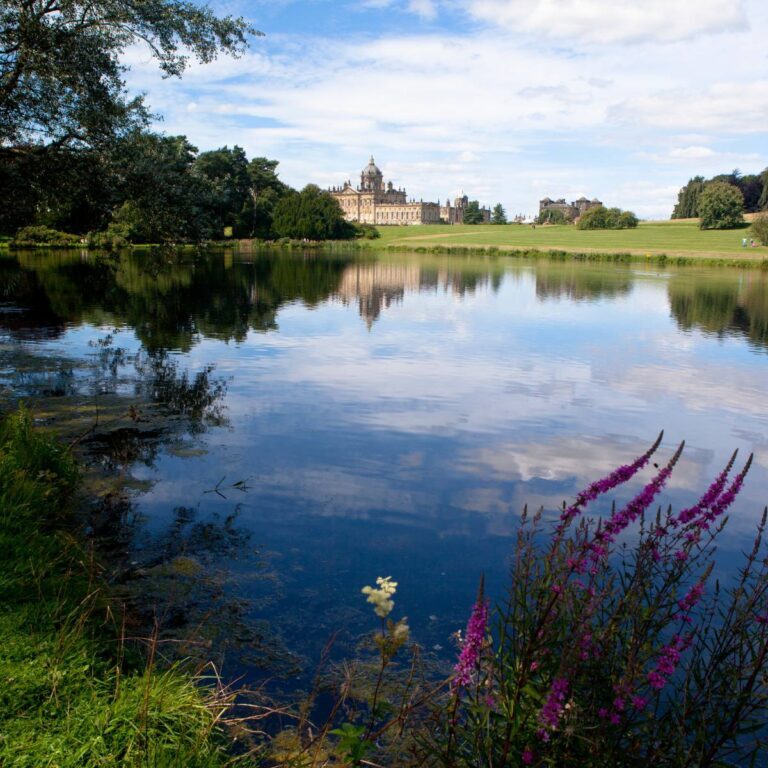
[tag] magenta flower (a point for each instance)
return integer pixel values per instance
(527, 756)
(598, 488)
(669, 656)
(553, 706)
(473, 643)
(709, 497)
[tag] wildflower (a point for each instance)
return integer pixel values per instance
(527, 756)
(553, 706)
(381, 598)
(693, 596)
(709, 497)
(639, 703)
(617, 477)
(669, 656)
(618, 521)
(473, 642)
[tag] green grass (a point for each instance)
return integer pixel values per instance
(71, 697)
(671, 238)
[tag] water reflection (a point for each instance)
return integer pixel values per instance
(390, 416)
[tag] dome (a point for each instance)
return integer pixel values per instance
(371, 170)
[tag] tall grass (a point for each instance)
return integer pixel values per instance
(72, 693)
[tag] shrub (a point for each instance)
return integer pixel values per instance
(721, 206)
(366, 231)
(553, 216)
(32, 237)
(115, 236)
(608, 654)
(759, 228)
(601, 217)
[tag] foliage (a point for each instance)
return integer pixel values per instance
(73, 695)
(721, 206)
(366, 231)
(498, 215)
(601, 217)
(553, 216)
(759, 228)
(41, 235)
(472, 213)
(311, 214)
(266, 191)
(754, 188)
(687, 206)
(608, 654)
(60, 64)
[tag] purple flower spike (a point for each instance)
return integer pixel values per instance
(473, 643)
(710, 497)
(553, 706)
(598, 488)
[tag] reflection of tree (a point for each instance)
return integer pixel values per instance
(581, 282)
(168, 298)
(728, 303)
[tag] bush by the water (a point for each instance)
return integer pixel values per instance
(601, 217)
(311, 214)
(40, 235)
(366, 232)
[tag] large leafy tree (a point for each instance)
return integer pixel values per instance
(311, 214)
(721, 206)
(266, 191)
(60, 73)
(688, 199)
(472, 213)
(224, 173)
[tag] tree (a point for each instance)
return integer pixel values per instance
(759, 229)
(60, 69)
(266, 191)
(311, 214)
(499, 215)
(688, 199)
(601, 217)
(224, 175)
(553, 216)
(762, 204)
(721, 206)
(472, 213)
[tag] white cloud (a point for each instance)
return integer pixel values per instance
(612, 21)
(691, 153)
(427, 9)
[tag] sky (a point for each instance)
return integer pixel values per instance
(508, 101)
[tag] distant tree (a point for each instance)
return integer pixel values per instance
(499, 215)
(553, 216)
(721, 206)
(227, 185)
(601, 217)
(312, 214)
(266, 191)
(472, 213)
(688, 199)
(762, 203)
(759, 228)
(751, 187)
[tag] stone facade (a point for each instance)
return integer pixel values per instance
(374, 202)
(571, 211)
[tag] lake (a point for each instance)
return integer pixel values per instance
(295, 425)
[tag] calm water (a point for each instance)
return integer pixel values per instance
(386, 417)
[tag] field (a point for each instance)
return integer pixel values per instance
(673, 238)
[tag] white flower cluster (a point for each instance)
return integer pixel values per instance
(381, 598)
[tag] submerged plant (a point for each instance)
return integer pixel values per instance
(615, 645)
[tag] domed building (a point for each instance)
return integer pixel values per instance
(374, 202)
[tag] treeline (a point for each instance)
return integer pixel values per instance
(149, 188)
(753, 188)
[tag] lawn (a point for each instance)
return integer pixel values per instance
(674, 238)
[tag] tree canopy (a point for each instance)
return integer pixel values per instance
(311, 214)
(60, 72)
(472, 213)
(601, 217)
(498, 215)
(721, 206)
(753, 187)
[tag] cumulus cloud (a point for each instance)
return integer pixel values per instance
(612, 21)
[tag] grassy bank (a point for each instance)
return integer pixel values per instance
(73, 692)
(671, 238)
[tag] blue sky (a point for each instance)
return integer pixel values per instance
(508, 100)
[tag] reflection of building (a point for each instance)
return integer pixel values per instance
(571, 211)
(375, 287)
(374, 202)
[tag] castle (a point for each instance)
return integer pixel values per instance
(373, 202)
(571, 211)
